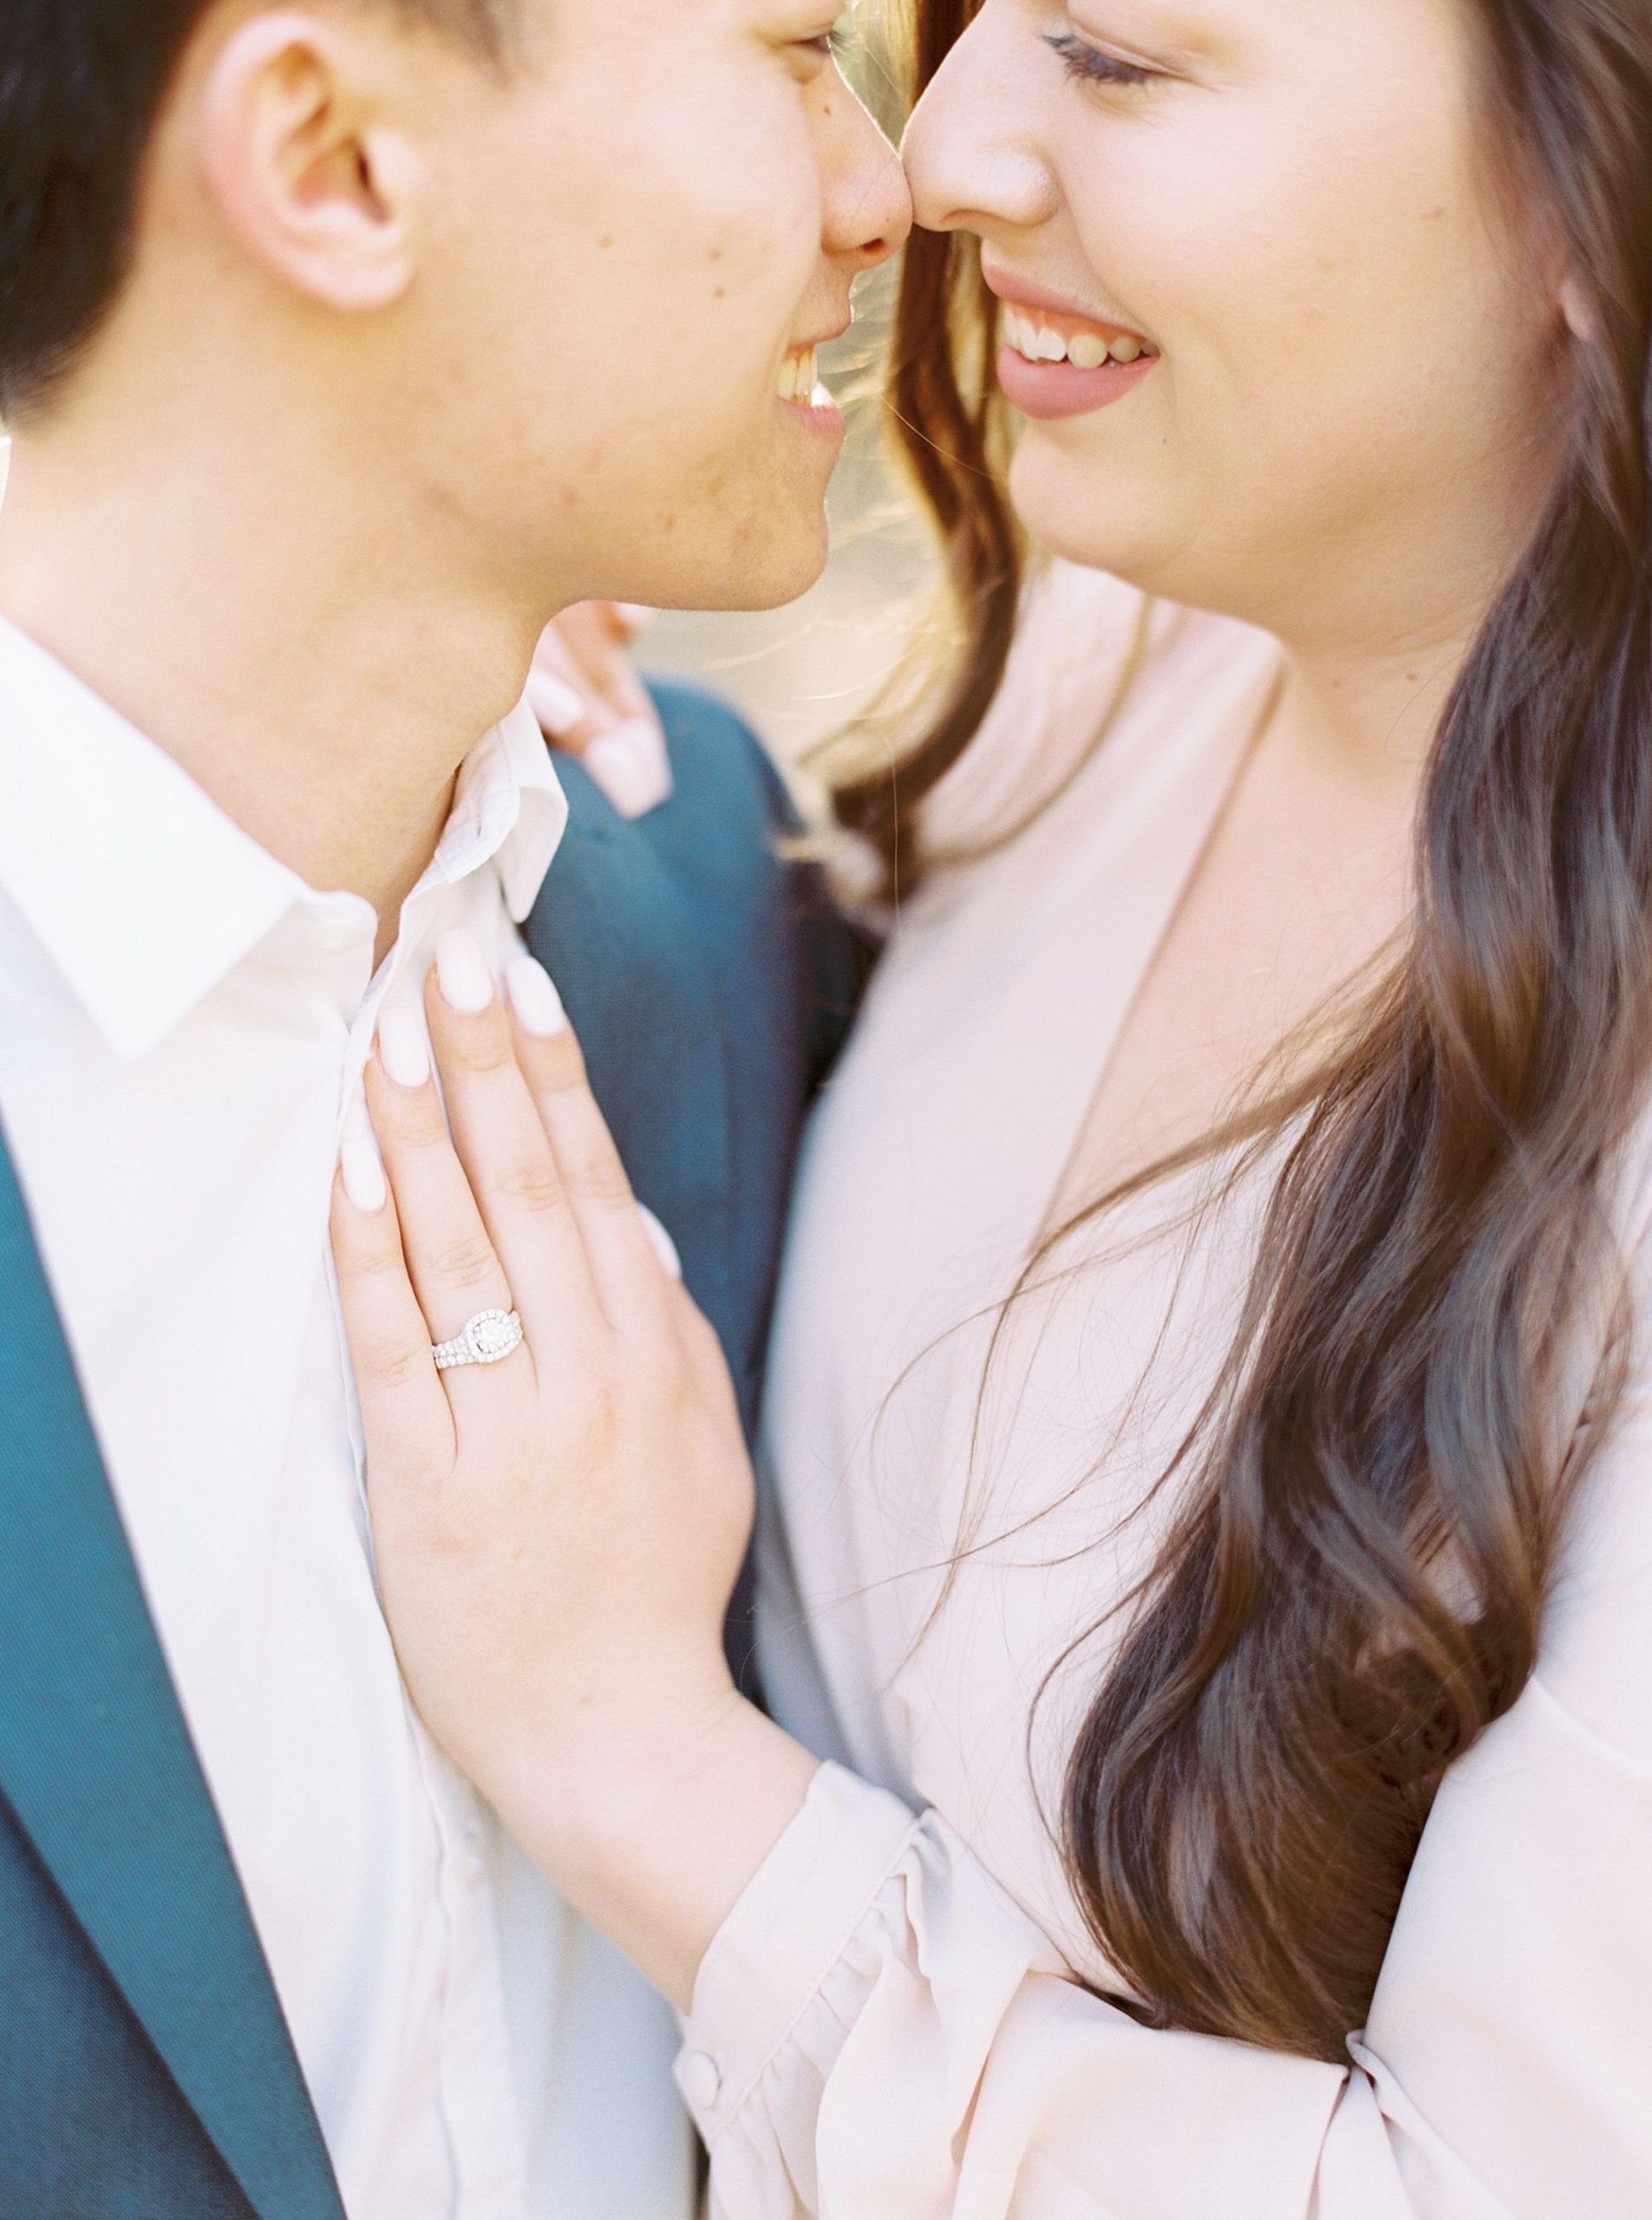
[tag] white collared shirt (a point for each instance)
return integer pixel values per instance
(183, 1028)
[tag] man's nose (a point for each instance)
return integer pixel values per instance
(869, 206)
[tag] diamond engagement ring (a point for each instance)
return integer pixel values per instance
(488, 1338)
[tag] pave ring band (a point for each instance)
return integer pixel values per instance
(488, 1338)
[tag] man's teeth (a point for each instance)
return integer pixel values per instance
(1085, 351)
(799, 374)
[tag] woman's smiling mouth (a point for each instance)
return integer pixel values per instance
(1056, 361)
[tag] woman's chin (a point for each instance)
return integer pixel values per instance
(1100, 520)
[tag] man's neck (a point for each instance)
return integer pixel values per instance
(303, 670)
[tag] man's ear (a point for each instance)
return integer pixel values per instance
(306, 169)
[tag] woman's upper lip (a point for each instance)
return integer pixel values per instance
(1022, 293)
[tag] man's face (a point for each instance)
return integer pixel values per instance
(635, 227)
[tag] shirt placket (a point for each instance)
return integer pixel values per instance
(475, 2074)
(476, 2071)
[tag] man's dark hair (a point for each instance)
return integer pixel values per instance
(81, 87)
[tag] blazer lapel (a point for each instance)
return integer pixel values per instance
(614, 931)
(96, 1762)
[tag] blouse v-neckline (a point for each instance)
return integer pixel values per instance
(1076, 925)
(1071, 1189)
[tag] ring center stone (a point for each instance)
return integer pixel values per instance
(491, 1335)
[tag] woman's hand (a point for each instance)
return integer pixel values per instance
(558, 1533)
(590, 702)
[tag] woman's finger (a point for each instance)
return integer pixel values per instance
(501, 1142)
(452, 1263)
(597, 637)
(632, 766)
(562, 697)
(590, 701)
(404, 1410)
(626, 1261)
(704, 1352)
(664, 1248)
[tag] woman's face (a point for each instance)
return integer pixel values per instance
(1344, 347)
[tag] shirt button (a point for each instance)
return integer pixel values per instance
(700, 2078)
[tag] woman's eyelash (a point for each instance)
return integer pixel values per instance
(1093, 66)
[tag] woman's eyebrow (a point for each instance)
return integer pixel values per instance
(1193, 23)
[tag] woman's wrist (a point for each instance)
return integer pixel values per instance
(655, 1819)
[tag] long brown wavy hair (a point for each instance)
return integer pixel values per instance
(1374, 1493)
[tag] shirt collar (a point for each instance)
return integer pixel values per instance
(146, 895)
(508, 808)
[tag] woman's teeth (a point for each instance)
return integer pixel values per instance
(799, 374)
(1085, 351)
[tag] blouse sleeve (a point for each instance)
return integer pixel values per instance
(881, 2032)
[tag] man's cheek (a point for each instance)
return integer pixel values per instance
(767, 214)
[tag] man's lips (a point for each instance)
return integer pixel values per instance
(825, 338)
(799, 378)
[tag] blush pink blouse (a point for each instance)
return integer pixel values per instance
(896, 2021)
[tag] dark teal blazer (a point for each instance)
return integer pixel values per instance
(146, 2070)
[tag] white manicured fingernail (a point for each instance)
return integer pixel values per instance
(555, 705)
(401, 1048)
(462, 974)
(361, 1165)
(664, 1246)
(535, 1000)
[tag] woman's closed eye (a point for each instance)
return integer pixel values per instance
(1093, 65)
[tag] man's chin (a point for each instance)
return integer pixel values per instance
(771, 578)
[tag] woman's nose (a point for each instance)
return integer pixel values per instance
(972, 153)
(869, 206)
